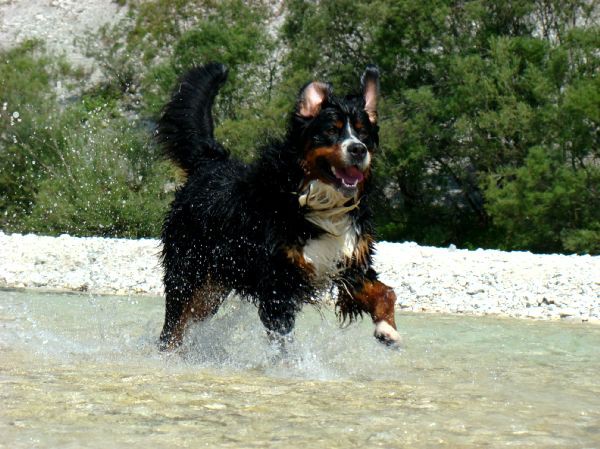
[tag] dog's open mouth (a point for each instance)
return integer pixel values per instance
(348, 176)
(344, 178)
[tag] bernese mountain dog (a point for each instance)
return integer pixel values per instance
(282, 229)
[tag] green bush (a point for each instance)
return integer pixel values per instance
(546, 204)
(27, 114)
(102, 186)
(489, 119)
(82, 168)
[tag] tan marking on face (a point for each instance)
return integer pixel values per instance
(332, 154)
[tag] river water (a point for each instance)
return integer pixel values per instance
(80, 371)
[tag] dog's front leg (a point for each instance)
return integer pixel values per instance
(278, 316)
(377, 299)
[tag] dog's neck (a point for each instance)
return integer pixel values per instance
(328, 209)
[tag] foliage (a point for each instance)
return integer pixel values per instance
(490, 118)
(547, 204)
(80, 168)
(166, 38)
(26, 95)
(478, 90)
(103, 186)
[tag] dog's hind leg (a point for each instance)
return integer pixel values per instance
(200, 304)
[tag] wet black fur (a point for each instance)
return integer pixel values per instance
(231, 221)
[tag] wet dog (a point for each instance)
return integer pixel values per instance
(282, 229)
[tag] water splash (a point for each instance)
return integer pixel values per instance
(319, 348)
(84, 362)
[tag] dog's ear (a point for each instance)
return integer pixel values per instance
(311, 97)
(369, 83)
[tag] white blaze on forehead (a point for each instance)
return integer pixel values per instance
(350, 140)
(351, 137)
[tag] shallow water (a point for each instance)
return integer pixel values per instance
(83, 371)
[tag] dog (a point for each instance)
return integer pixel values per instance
(282, 229)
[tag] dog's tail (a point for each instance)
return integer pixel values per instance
(185, 129)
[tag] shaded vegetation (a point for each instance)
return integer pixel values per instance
(81, 167)
(490, 122)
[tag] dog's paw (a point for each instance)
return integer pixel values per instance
(387, 335)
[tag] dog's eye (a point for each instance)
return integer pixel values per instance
(362, 134)
(333, 131)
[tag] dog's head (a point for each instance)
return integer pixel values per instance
(339, 135)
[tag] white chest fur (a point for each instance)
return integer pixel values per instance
(327, 253)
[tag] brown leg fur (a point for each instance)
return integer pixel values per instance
(203, 303)
(377, 299)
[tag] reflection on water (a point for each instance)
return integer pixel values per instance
(83, 371)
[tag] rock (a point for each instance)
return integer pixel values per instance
(563, 313)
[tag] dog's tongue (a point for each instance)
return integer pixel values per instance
(349, 175)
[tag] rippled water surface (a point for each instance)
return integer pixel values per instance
(83, 371)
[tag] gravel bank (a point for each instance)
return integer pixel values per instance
(516, 284)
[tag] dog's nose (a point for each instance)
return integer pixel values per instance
(357, 150)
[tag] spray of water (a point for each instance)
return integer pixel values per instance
(118, 331)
